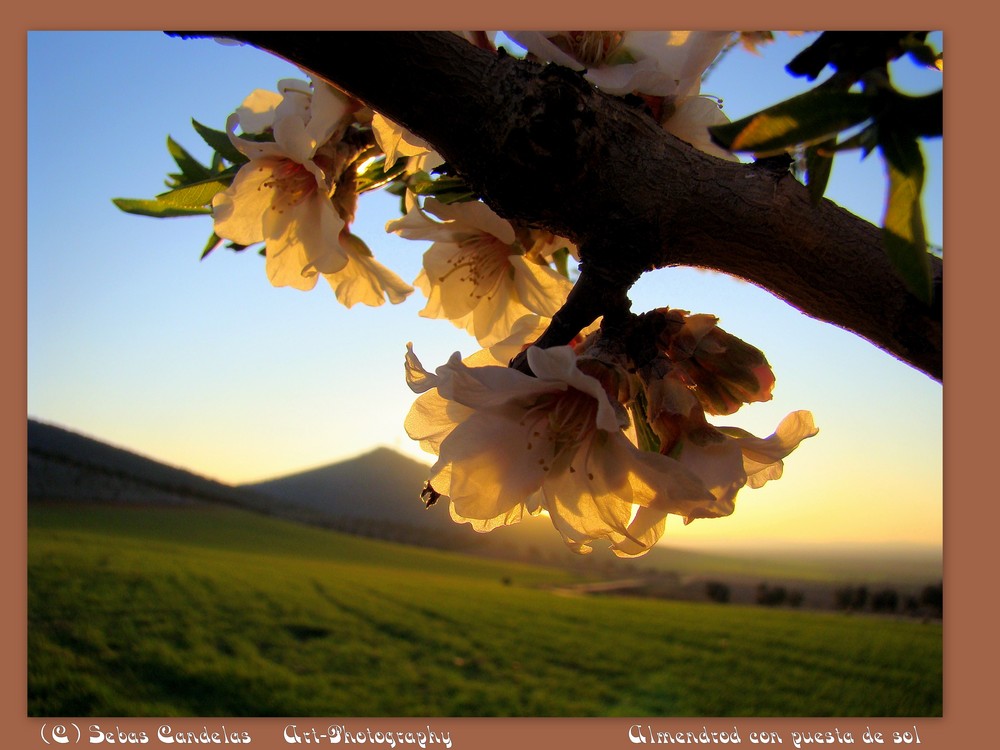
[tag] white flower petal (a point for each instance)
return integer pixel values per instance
(539, 288)
(489, 475)
(495, 389)
(238, 211)
(330, 110)
(643, 76)
(473, 215)
(558, 363)
(720, 468)
(303, 241)
(257, 111)
(644, 531)
(690, 123)
(364, 279)
(395, 140)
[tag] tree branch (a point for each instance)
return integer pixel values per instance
(544, 148)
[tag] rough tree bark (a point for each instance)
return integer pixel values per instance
(544, 148)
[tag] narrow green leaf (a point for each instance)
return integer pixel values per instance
(375, 176)
(213, 242)
(220, 142)
(199, 193)
(445, 189)
(455, 196)
(647, 439)
(157, 209)
(903, 224)
(561, 259)
(819, 164)
(191, 168)
(922, 115)
(193, 196)
(866, 140)
(806, 119)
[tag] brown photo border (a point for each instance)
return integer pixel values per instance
(969, 640)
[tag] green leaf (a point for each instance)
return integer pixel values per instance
(866, 140)
(819, 164)
(445, 189)
(193, 196)
(213, 242)
(647, 439)
(218, 163)
(374, 175)
(561, 259)
(455, 196)
(806, 119)
(191, 168)
(903, 224)
(220, 142)
(157, 209)
(199, 193)
(922, 115)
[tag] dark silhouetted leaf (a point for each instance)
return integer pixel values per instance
(191, 169)
(220, 142)
(866, 140)
(806, 119)
(819, 163)
(903, 225)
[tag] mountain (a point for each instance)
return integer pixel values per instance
(380, 485)
(378, 494)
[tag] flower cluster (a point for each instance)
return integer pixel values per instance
(605, 447)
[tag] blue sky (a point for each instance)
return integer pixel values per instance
(204, 365)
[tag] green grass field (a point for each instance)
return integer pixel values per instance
(217, 612)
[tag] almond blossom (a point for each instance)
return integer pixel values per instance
(658, 63)
(665, 67)
(476, 274)
(281, 196)
(297, 194)
(396, 142)
(509, 444)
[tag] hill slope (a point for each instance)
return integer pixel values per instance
(64, 465)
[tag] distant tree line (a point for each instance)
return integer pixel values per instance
(929, 602)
